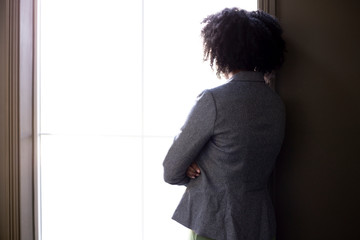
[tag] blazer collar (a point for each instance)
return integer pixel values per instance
(248, 76)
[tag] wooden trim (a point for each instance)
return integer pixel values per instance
(16, 121)
(14, 198)
(268, 6)
(4, 121)
(26, 118)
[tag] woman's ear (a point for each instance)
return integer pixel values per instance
(270, 79)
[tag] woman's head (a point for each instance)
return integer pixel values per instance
(239, 40)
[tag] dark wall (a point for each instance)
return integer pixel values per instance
(318, 172)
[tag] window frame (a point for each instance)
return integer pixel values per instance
(17, 110)
(19, 201)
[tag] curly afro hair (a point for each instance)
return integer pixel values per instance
(240, 40)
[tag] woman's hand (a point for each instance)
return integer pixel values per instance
(193, 171)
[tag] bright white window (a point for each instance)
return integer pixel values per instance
(117, 79)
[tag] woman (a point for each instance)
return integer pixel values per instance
(227, 148)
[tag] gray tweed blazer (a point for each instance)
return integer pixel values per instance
(234, 133)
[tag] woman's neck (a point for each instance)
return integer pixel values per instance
(231, 74)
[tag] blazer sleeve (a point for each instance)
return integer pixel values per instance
(195, 133)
